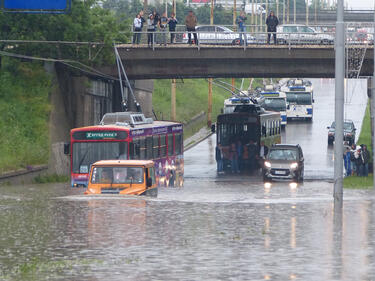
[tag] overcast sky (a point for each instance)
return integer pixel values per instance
(362, 4)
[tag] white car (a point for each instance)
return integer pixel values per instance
(302, 34)
(219, 35)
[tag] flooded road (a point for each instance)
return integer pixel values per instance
(214, 228)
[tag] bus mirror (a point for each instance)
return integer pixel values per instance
(213, 129)
(67, 148)
(149, 182)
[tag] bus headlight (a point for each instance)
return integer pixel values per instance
(294, 165)
(267, 164)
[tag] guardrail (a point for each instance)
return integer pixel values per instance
(244, 39)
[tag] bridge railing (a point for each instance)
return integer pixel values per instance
(159, 39)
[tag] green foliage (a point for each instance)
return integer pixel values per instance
(24, 113)
(51, 178)
(365, 135)
(87, 22)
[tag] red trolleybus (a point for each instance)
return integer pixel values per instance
(128, 135)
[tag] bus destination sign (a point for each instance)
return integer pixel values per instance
(101, 135)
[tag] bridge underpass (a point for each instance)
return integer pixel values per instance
(257, 61)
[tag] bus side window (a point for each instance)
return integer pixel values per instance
(163, 146)
(155, 145)
(170, 144)
(149, 148)
(142, 148)
(178, 144)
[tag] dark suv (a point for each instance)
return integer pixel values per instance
(349, 132)
(284, 161)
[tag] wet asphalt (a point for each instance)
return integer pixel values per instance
(230, 227)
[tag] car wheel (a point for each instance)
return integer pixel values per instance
(266, 179)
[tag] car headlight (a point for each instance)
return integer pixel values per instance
(267, 164)
(294, 165)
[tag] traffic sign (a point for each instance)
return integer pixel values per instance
(36, 6)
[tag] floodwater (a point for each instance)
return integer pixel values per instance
(214, 228)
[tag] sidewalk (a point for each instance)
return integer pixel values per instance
(201, 135)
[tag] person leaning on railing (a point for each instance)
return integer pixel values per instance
(163, 28)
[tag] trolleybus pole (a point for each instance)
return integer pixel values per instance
(339, 105)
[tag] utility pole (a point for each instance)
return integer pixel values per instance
(284, 21)
(234, 14)
(209, 109)
(287, 11)
(339, 104)
(145, 4)
(255, 15)
(174, 7)
(315, 14)
(307, 12)
(294, 11)
(252, 16)
(277, 9)
(173, 100)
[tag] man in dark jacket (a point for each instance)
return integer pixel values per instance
(365, 156)
(272, 22)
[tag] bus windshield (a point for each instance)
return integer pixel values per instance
(115, 175)
(299, 98)
(275, 104)
(282, 154)
(86, 153)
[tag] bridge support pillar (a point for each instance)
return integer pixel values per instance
(143, 93)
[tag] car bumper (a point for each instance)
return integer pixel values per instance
(275, 173)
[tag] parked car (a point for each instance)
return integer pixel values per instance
(302, 34)
(211, 34)
(284, 161)
(349, 132)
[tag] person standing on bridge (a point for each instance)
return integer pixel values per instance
(272, 23)
(172, 22)
(150, 30)
(191, 23)
(241, 27)
(163, 28)
(137, 24)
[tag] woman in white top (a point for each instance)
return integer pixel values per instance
(137, 23)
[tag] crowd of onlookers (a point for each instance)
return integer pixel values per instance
(356, 160)
(156, 23)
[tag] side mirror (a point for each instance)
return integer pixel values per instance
(67, 148)
(149, 182)
(213, 128)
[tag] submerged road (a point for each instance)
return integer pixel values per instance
(214, 228)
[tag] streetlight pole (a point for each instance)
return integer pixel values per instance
(294, 11)
(307, 12)
(339, 104)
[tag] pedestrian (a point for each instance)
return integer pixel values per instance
(163, 22)
(263, 151)
(150, 30)
(347, 162)
(365, 157)
(172, 22)
(234, 158)
(272, 23)
(141, 13)
(219, 159)
(242, 27)
(358, 161)
(191, 23)
(172, 178)
(137, 24)
(252, 150)
(352, 159)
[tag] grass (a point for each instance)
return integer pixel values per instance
(24, 113)
(192, 98)
(355, 182)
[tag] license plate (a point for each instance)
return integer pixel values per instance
(280, 172)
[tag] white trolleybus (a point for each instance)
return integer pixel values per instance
(300, 98)
(273, 100)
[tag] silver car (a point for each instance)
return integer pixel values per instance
(302, 34)
(284, 161)
(219, 35)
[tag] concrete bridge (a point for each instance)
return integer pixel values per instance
(258, 61)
